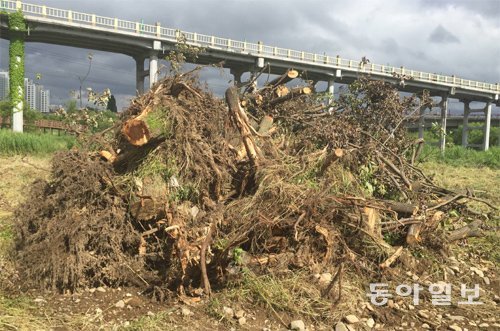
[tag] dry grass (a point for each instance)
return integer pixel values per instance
(17, 173)
(484, 181)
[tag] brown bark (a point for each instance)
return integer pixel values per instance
(396, 170)
(401, 207)
(144, 210)
(413, 235)
(293, 93)
(289, 75)
(371, 222)
(265, 124)
(470, 230)
(387, 263)
(240, 120)
(331, 157)
(203, 259)
(177, 88)
(255, 98)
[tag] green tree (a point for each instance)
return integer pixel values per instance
(71, 106)
(112, 104)
(5, 110)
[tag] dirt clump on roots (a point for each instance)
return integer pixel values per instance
(188, 193)
(74, 231)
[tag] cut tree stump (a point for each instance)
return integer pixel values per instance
(331, 157)
(289, 75)
(241, 122)
(137, 132)
(413, 235)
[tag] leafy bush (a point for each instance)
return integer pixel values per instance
(476, 136)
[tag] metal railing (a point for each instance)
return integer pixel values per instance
(259, 49)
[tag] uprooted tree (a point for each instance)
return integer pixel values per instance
(164, 198)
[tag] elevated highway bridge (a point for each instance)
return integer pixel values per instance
(152, 41)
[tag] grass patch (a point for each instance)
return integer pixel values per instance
(14, 143)
(159, 322)
(486, 247)
(293, 293)
(18, 314)
(17, 173)
(460, 156)
(482, 181)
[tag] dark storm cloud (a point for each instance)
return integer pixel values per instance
(442, 36)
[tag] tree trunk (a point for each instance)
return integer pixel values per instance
(331, 157)
(289, 75)
(240, 120)
(281, 90)
(293, 93)
(401, 207)
(470, 230)
(413, 235)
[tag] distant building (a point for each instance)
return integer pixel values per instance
(36, 96)
(30, 93)
(42, 99)
(4, 85)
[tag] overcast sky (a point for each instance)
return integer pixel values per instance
(453, 37)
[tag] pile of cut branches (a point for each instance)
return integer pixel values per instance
(170, 196)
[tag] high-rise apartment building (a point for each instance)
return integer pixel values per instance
(30, 93)
(36, 96)
(42, 99)
(4, 85)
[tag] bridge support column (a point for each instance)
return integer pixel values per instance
(16, 78)
(487, 126)
(444, 114)
(486, 110)
(139, 75)
(237, 75)
(331, 90)
(153, 70)
(465, 126)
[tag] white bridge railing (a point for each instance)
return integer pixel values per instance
(172, 35)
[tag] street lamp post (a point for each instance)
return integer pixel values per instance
(82, 80)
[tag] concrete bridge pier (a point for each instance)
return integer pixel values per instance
(465, 127)
(443, 104)
(255, 70)
(153, 70)
(486, 127)
(331, 90)
(140, 74)
(237, 73)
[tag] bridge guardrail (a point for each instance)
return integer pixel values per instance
(258, 49)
